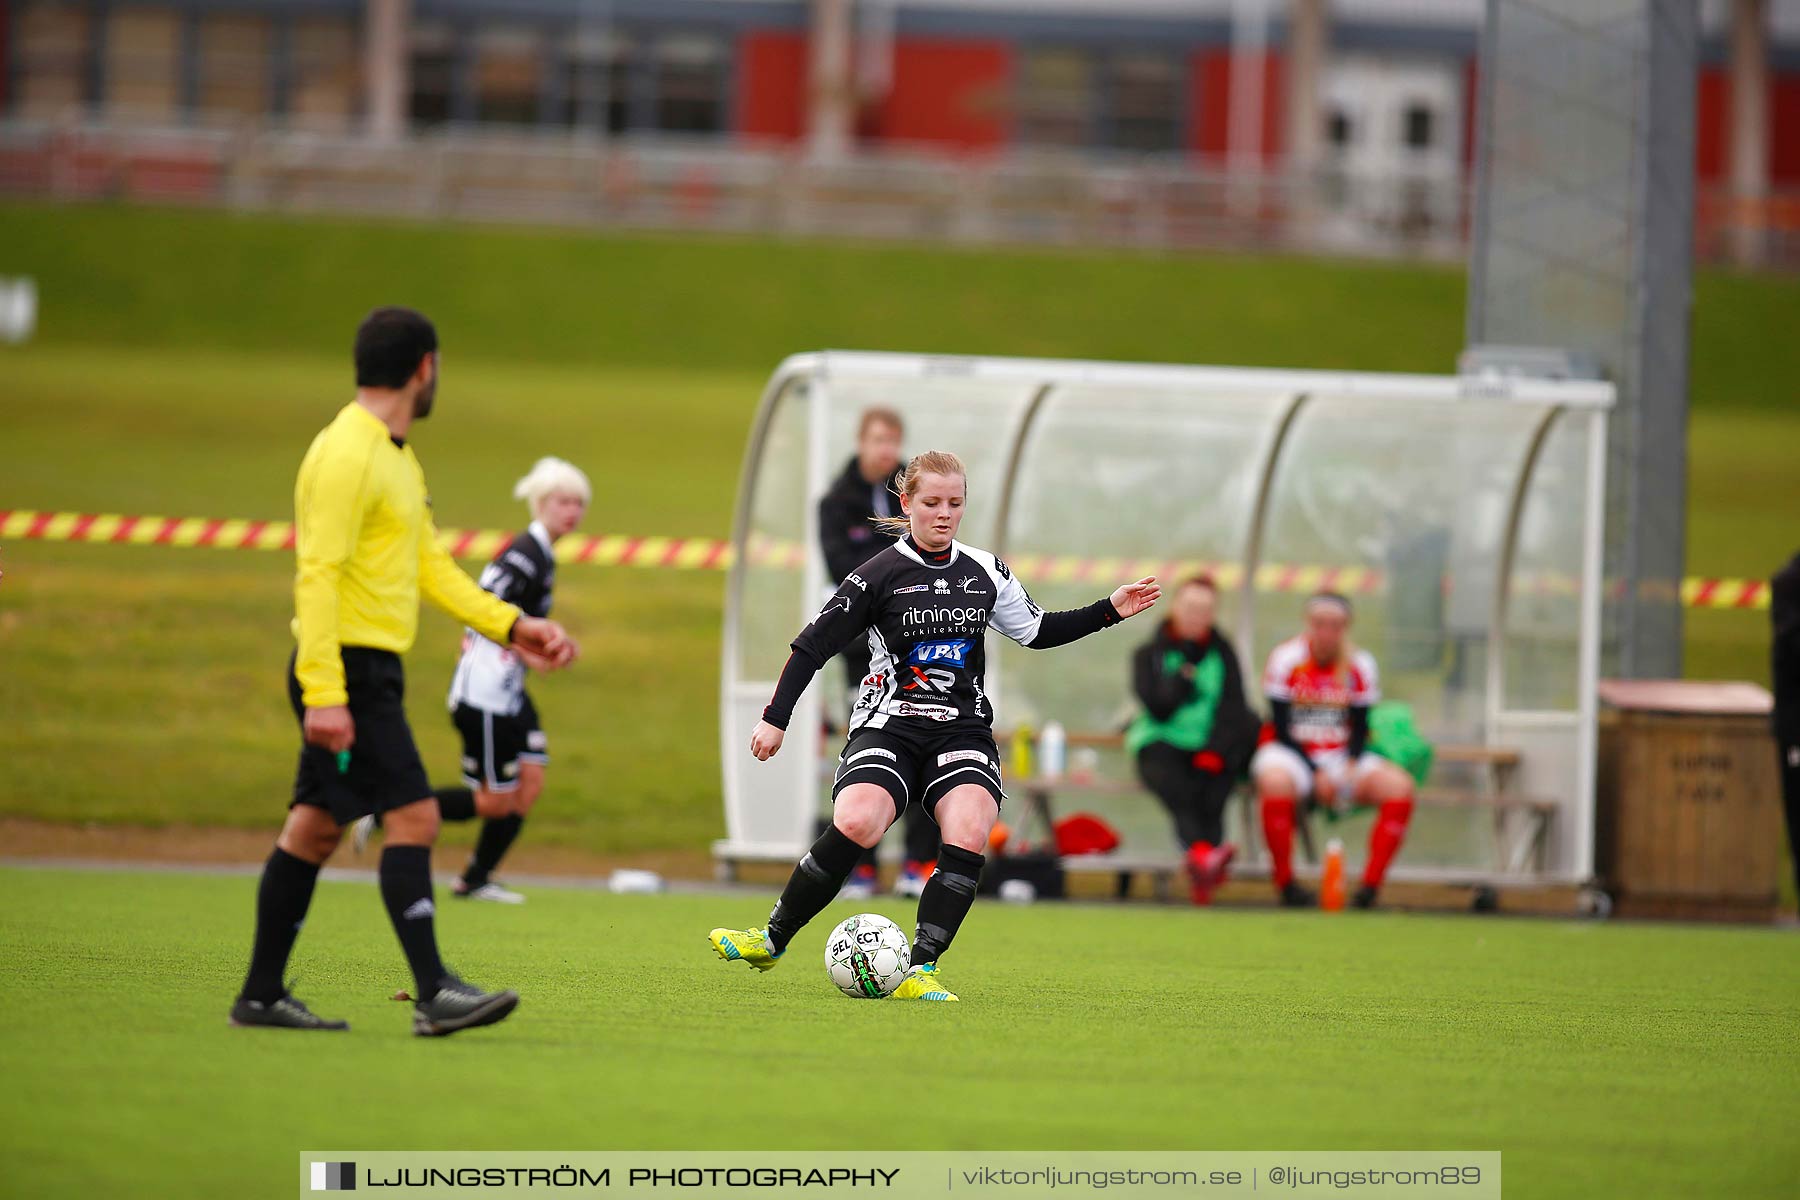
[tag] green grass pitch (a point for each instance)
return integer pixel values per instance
(1600, 1059)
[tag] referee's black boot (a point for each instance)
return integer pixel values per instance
(460, 1005)
(284, 1012)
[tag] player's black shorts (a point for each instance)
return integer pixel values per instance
(920, 765)
(383, 771)
(494, 744)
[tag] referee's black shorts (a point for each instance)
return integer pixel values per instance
(383, 771)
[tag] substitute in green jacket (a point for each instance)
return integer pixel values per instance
(1196, 730)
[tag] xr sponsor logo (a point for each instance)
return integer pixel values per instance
(929, 679)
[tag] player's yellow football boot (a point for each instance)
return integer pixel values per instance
(922, 983)
(746, 945)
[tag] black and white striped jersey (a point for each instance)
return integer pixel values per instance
(926, 615)
(490, 676)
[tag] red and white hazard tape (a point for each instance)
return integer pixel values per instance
(712, 554)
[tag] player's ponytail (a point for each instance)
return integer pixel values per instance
(932, 462)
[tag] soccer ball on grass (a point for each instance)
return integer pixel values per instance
(867, 957)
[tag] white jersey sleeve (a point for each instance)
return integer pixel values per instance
(1015, 613)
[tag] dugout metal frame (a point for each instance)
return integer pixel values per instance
(771, 808)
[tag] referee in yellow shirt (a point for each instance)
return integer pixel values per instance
(367, 548)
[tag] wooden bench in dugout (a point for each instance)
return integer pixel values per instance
(1519, 844)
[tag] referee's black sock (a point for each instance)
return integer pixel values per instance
(282, 899)
(945, 902)
(455, 803)
(406, 890)
(497, 834)
(814, 884)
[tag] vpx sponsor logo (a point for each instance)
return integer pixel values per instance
(921, 618)
(955, 653)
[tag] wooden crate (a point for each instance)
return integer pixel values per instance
(1689, 814)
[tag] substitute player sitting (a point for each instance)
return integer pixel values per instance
(922, 727)
(505, 750)
(1320, 689)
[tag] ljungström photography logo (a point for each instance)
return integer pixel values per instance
(334, 1177)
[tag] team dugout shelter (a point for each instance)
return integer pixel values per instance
(1462, 515)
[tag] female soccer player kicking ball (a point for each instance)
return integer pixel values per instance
(922, 726)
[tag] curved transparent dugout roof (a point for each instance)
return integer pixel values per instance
(1458, 515)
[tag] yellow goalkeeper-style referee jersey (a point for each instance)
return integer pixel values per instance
(367, 547)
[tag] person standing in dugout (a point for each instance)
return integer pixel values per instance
(923, 726)
(849, 533)
(366, 549)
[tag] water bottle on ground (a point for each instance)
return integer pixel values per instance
(1331, 884)
(1053, 745)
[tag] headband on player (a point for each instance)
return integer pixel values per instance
(1334, 601)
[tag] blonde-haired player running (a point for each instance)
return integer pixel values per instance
(505, 749)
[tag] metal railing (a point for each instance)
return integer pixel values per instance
(707, 184)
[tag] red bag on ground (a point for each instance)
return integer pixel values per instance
(1084, 833)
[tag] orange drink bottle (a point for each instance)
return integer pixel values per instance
(1331, 885)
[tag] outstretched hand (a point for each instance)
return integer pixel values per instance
(1133, 598)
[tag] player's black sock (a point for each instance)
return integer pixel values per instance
(455, 803)
(282, 899)
(814, 884)
(497, 834)
(945, 902)
(406, 889)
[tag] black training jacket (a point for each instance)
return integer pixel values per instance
(847, 532)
